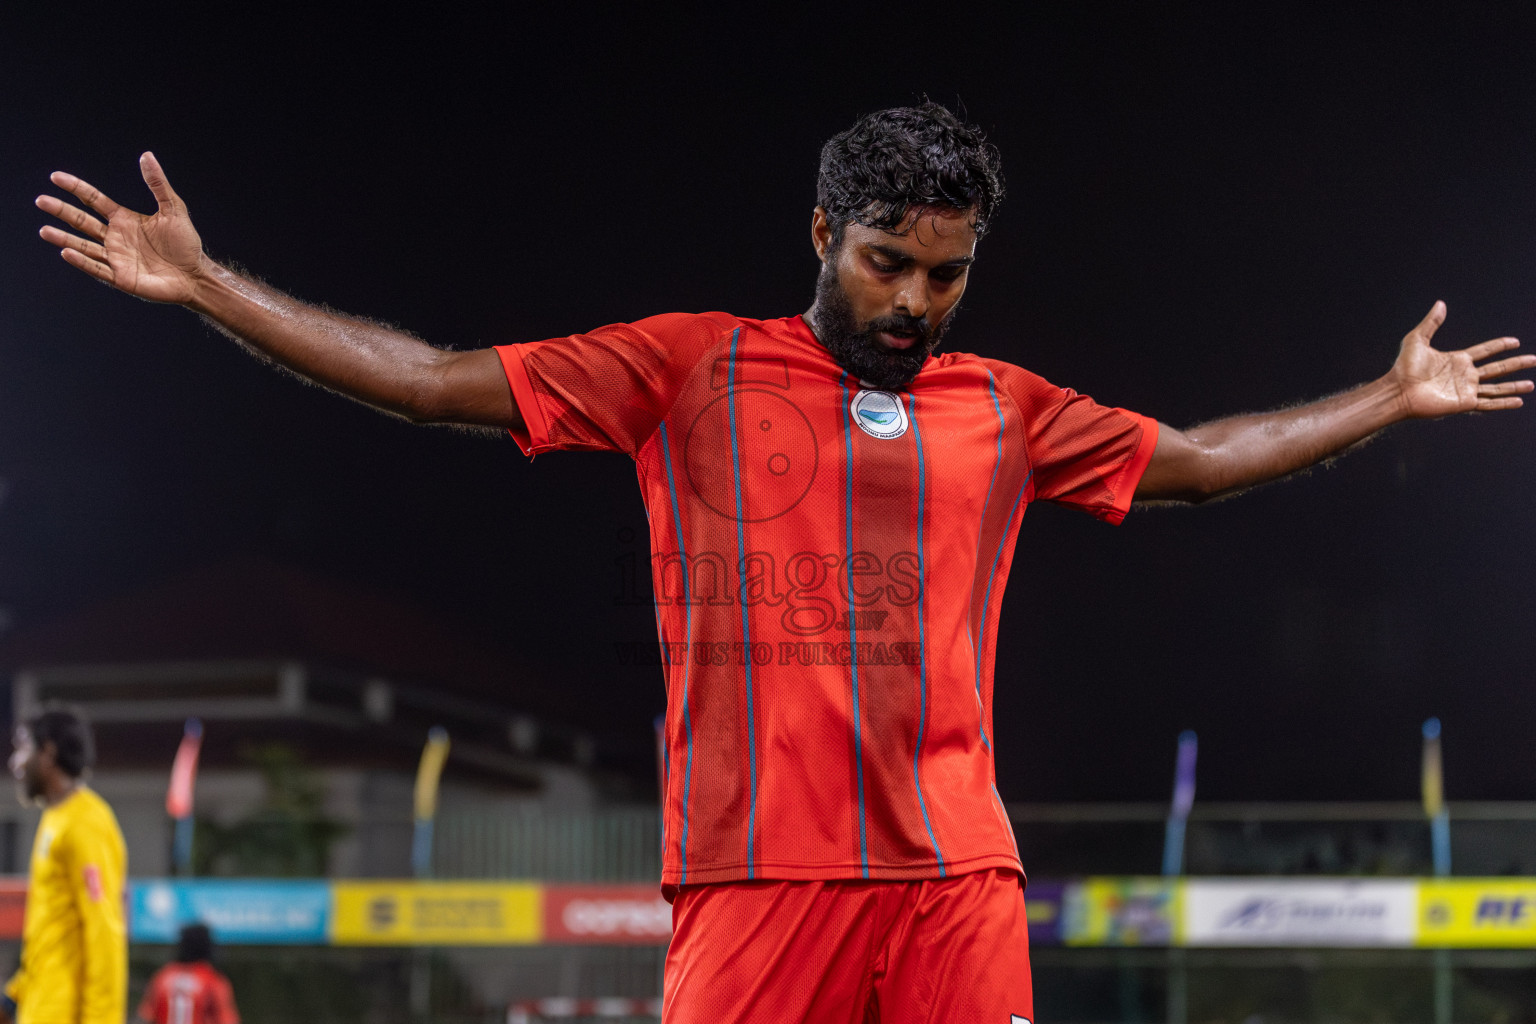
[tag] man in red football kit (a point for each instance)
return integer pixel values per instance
(189, 990)
(833, 510)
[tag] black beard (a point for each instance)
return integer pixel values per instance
(28, 792)
(855, 346)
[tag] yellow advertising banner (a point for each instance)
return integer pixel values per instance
(1124, 912)
(1478, 912)
(436, 914)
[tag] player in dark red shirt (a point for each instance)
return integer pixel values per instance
(833, 509)
(189, 990)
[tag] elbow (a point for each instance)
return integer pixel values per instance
(1191, 476)
(1189, 496)
(1215, 489)
(1209, 484)
(418, 413)
(424, 400)
(1203, 491)
(1202, 480)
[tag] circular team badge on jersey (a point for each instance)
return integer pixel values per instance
(879, 414)
(751, 455)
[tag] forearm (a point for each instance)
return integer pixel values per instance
(104, 981)
(1228, 455)
(160, 257)
(370, 362)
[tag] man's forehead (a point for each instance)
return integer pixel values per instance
(928, 226)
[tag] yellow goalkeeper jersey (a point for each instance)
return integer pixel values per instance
(74, 954)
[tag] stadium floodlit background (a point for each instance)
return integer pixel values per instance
(1212, 210)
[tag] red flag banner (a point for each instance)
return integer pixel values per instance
(178, 798)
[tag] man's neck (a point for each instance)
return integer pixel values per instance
(809, 316)
(56, 792)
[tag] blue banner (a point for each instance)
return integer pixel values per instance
(238, 912)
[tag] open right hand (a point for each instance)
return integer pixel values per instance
(158, 257)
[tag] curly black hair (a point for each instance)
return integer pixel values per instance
(66, 728)
(893, 160)
(194, 943)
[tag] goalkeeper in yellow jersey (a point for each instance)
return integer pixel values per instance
(74, 954)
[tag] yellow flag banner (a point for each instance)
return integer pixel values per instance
(429, 773)
(436, 914)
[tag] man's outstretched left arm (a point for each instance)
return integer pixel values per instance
(1227, 455)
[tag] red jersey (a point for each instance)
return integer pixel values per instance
(193, 993)
(828, 561)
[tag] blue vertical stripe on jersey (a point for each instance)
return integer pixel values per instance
(746, 628)
(992, 573)
(682, 552)
(922, 641)
(976, 639)
(666, 746)
(853, 645)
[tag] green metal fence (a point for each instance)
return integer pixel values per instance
(608, 845)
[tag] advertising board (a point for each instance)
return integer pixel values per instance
(1478, 912)
(1043, 904)
(1101, 911)
(13, 906)
(1120, 912)
(1300, 912)
(608, 914)
(436, 914)
(256, 912)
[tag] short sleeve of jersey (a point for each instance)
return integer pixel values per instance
(608, 389)
(1081, 454)
(224, 1011)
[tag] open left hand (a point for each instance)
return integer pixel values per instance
(1435, 383)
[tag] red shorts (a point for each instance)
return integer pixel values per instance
(851, 952)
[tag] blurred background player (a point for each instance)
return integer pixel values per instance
(190, 990)
(74, 953)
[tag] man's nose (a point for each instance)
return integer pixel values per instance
(913, 298)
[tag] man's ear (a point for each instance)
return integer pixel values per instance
(821, 233)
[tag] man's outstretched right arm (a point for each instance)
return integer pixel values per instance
(160, 257)
(370, 362)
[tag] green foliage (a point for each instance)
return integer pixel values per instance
(287, 836)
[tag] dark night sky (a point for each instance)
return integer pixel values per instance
(1210, 212)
